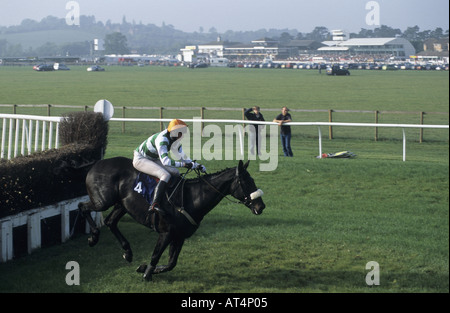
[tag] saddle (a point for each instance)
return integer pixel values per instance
(145, 185)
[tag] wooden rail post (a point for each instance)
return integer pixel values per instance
(202, 116)
(34, 231)
(421, 129)
(123, 123)
(376, 128)
(161, 127)
(330, 128)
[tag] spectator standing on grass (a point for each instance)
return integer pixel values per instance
(285, 130)
(254, 114)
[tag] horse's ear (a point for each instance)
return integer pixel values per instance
(240, 167)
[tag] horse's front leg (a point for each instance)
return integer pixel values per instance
(174, 252)
(161, 245)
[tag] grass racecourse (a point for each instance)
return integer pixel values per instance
(325, 219)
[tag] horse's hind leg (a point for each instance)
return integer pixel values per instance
(86, 208)
(111, 221)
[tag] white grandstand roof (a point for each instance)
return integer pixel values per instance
(328, 48)
(400, 45)
(363, 42)
(371, 41)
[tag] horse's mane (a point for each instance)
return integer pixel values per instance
(206, 176)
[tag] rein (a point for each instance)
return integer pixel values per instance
(215, 189)
(248, 199)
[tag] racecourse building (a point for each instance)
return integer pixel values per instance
(340, 45)
(397, 47)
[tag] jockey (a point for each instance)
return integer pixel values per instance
(152, 158)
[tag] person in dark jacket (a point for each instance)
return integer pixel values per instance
(254, 114)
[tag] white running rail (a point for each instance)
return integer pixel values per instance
(38, 133)
(29, 133)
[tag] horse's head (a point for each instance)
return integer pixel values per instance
(245, 190)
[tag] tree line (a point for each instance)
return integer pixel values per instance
(136, 37)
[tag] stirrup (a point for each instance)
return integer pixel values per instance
(155, 208)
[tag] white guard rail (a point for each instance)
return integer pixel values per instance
(317, 124)
(33, 131)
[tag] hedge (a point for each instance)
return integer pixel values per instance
(44, 178)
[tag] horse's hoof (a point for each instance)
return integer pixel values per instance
(92, 241)
(147, 277)
(141, 268)
(148, 273)
(128, 256)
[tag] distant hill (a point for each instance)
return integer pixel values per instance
(34, 39)
(52, 36)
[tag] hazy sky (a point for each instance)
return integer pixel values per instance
(190, 15)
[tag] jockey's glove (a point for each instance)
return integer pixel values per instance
(192, 165)
(195, 165)
(202, 168)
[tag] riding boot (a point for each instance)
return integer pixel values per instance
(158, 195)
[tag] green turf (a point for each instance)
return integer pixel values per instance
(324, 220)
(229, 87)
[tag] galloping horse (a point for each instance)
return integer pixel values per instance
(110, 183)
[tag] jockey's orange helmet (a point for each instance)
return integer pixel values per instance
(178, 125)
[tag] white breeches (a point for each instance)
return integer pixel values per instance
(154, 168)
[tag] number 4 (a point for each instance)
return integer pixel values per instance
(138, 187)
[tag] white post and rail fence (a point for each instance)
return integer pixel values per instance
(329, 114)
(25, 134)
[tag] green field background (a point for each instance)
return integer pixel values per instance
(324, 219)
